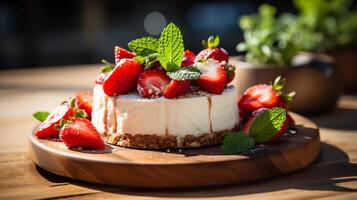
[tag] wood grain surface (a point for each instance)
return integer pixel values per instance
(332, 176)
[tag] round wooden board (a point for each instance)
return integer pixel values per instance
(180, 168)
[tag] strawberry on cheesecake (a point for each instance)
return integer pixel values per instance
(159, 96)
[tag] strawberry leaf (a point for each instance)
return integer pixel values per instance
(144, 46)
(185, 73)
(267, 124)
(288, 97)
(279, 83)
(41, 115)
(237, 143)
(107, 66)
(171, 48)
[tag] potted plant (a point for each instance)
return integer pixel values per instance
(337, 23)
(273, 45)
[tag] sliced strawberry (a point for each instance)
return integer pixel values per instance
(47, 127)
(259, 96)
(120, 53)
(100, 78)
(176, 88)
(218, 54)
(213, 78)
(152, 83)
(84, 100)
(81, 133)
(188, 58)
(123, 78)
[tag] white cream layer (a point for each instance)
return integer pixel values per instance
(195, 116)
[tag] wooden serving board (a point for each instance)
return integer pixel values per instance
(180, 168)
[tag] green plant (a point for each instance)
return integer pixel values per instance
(274, 40)
(330, 18)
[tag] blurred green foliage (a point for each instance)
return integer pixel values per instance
(333, 19)
(274, 40)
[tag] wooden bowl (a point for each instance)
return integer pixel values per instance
(346, 67)
(316, 85)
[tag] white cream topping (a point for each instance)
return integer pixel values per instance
(195, 115)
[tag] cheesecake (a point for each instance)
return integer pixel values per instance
(193, 120)
(157, 95)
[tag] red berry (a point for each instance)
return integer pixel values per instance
(259, 96)
(123, 78)
(152, 83)
(213, 78)
(176, 88)
(84, 100)
(47, 127)
(218, 54)
(81, 133)
(100, 78)
(188, 58)
(120, 53)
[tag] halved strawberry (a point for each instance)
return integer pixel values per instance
(152, 83)
(120, 53)
(188, 58)
(212, 51)
(84, 100)
(176, 88)
(47, 127)
(264, 96)
(123, 78)
(81, 133)
(259, 96)
(213, 78)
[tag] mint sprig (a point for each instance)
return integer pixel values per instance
(237, 143)
(185, 73)
(171, 48)
(263, 128)
(267, 124)
(144, 46)
(41, 115)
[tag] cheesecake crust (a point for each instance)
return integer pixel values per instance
(165, 141)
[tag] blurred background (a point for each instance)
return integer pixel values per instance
(48, 33)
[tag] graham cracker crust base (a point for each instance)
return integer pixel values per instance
(164, 142)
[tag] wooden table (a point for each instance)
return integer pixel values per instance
(332, 176)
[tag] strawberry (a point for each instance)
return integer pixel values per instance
(213, 78)
(84, 100)
(123, 78)
(81, 133)
(282, 130)
(152, 83)
(259, 96)
(230, 70)
(176, 88)
(120, 53)
(212, 51)
(47, 127)
(188, 58)
(100, 78)
(264, 96)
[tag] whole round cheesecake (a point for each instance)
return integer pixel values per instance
(192, 120)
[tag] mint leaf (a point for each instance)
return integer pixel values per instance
(185, 73)
(237, 143)
(267, 124)
(41, 115)
(144, 46)
(171, 48)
